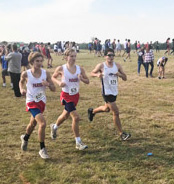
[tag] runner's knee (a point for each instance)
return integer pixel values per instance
(76, 118)
(106, 109)
(116, 113)
(65, 116)
(42, 124)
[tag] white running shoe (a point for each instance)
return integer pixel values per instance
(24, 143)
(81, 146)
(43, 153)
(53, 132)
(4, 85)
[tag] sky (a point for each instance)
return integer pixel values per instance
(81, 20)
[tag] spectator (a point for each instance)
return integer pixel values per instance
(167, 46)
(14, 67)
(24, 61)
(147, 59)
(172, 46)
(161, 67)
(140, 59)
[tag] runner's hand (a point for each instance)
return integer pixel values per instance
(45, 83)
(100, 75)
(23, 92)
(62, 84)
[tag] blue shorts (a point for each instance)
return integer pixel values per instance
(35, 112)
(70, 106)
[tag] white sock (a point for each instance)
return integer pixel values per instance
(78, 139)
(55, 127)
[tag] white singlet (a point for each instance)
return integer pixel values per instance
(71, 80)
(35, 89)
(110, 80)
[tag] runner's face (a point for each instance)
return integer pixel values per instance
(110, 57)
(38, 62)
(71, 58)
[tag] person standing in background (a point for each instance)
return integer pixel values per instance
(140, 58)
(157, 46)
(118, 48)
(128, 50)
(167, 46)
(14, 68)
(125, 46)
(172, 46)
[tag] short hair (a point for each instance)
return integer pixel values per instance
(14, 47)
(108, 50)
(33, 55)
(68, 51)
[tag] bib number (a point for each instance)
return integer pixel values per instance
(113, 82)
(73, 90)
(39, 96)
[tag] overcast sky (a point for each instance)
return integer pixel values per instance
(80, 20)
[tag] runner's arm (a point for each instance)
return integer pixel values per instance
(22, 81)
(50, 82)
(97, 72)
(83, 77)
(121, 73)
(57, 73)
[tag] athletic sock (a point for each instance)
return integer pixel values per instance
(55, 127)
(42, 145)
(78, 140)
(26, 137)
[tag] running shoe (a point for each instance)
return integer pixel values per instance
(81, 146)
(125, 136)
(90, 114)
(53, 132)
(4, 85)
(24, 143)
(43, 153)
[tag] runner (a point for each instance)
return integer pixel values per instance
(108, 72)
(71, 75)
(37, 80)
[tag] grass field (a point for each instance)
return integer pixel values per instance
(146, 111)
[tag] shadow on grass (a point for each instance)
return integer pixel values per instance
(127, 152)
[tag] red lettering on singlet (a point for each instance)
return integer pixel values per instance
(37, 85)
(73, 80)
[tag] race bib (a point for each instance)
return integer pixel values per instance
(113, 82)
(39, 96)
(73, 90)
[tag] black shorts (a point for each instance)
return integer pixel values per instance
(109, 98)
(5, 72)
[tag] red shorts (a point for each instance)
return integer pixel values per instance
(36, 105)
(69, 98)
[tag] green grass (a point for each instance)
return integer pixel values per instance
(146, 111)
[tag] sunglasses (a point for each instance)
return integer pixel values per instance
(110, 55)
